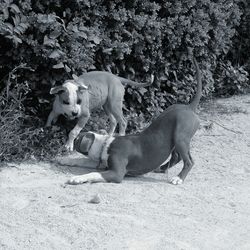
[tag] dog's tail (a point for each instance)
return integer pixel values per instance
(136, 84)
(196, 99)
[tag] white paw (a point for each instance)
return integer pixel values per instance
(91, 178)
(69, 146)
(176, 180)
(79, 179)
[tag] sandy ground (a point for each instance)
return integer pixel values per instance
(211, 210)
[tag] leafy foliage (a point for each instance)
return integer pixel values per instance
(231, 80)
(239, 53)
(134, 39)
(22, 136)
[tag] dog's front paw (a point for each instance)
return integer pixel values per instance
(176, 180)
(69, 146)
(79, 179)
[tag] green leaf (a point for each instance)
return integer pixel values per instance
(48, 42)
(142, 91)
(83, 28)
(107, 51)
(17, 39)
(82, 34)
(10, 37)
(24, 25)
(55, 33)
(6, 13)
(10, 27)
(19, 30)
(95, 39)
(15, 8)
(67, 68)
(75, 29)
(58, 66)
(56, 54)
(92, 67)
(45, 19)
(16, 20)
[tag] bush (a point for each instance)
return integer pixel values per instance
(135, 39)
(239, 53)
(22, 135)
(231, 80)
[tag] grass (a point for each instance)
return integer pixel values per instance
(23, 136)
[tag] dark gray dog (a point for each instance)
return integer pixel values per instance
(138, 154)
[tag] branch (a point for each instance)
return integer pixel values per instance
(21, 66)
(231, 130)
(63, 23)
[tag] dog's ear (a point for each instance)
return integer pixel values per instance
(57, 90)
(82, 88)
(75, 77)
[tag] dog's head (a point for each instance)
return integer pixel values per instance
(90, 144)
(83, 142)
(71, 95)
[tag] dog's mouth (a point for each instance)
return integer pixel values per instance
(69, 117)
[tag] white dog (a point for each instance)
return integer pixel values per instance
(76, 98)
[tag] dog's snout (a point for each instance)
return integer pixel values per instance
(74, 113)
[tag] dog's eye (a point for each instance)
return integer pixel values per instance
(65, 102)
(79, 101)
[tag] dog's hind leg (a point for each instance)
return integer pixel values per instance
(116, 110)
(182, 147)
(188, 164)
(114, 105)
(175, 158)
(186, 126)
(112, 120)
(122, 124)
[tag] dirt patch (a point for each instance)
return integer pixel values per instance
(211, 210)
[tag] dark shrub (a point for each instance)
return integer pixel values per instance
(135, 39)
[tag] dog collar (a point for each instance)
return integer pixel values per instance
(104, 151)
(99, 148)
